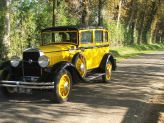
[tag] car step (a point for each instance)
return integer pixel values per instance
(94, 76)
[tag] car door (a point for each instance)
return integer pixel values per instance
(99, 47)
(86, 46)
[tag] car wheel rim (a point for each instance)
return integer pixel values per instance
(81, 67)
(64, 86)
(108, 71)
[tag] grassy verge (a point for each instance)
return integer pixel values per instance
(132, 51)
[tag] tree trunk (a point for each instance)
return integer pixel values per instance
(54, 13)
(1, 26)
(119, 13)
(150, 20)
(100, 16)
(141, 27)
(6, 22)
(153, 28)
(131, 25)
(86, 12)
(132, 11)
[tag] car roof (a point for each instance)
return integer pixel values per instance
(81, 27)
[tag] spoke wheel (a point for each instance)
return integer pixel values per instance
(108, 72)
(80, 64)
(63, 86)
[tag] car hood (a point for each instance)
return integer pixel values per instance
(57, 48)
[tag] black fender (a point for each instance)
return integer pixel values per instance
(105, 59)
(76, 56)
(68, 66)
(11, 71)
(4, 65)
(5, 68)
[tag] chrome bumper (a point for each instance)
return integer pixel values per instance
(28, 85)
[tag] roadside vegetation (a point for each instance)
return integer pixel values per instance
(122, 53)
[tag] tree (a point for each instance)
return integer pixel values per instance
(119, 13)
(6, 28)
(100, 15)
(86, 12)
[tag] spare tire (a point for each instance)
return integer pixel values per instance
(80, 63)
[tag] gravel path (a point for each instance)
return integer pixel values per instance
(135, 95)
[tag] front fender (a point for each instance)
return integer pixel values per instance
(12, 71)
(68, 66)
(105, 59)
(4, 65)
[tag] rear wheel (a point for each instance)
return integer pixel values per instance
(63, 86)
(108, 72)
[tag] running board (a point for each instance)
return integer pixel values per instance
(93, 76)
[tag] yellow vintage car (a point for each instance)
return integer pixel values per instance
(68, 54)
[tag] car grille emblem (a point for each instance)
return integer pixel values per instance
(30, 61)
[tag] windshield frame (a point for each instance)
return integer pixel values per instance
(44, 32)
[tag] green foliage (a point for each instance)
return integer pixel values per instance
(22, 27)
(120, 36)
(140, 22)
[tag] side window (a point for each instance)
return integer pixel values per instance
(99, 36)
(106, 36)
(86, 37)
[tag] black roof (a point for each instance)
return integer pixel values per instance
(59, 28)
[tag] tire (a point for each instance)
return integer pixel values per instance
(63, 87)
(80, 64)
(4, 90)
(108, 72)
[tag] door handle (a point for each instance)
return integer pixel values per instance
(82, 49)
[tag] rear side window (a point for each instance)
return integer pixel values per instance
(86, 37)
(106, 36)
(99, 36)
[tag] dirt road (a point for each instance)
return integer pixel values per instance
(135, 95)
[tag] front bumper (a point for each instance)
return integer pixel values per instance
(28, 85)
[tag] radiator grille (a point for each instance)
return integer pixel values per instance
(30, 64)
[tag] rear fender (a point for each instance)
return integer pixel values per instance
(107, 57)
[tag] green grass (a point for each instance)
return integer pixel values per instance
(135, 50)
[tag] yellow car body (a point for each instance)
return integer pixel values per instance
(93, 52)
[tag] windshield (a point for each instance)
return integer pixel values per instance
(59, 37)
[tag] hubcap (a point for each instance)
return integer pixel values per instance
(64, 86)
(108, 71)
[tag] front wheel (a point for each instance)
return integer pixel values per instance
(5, 91)
(63, 86)
(108, 72)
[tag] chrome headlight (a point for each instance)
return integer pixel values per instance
(43, 61)
(15, 60)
